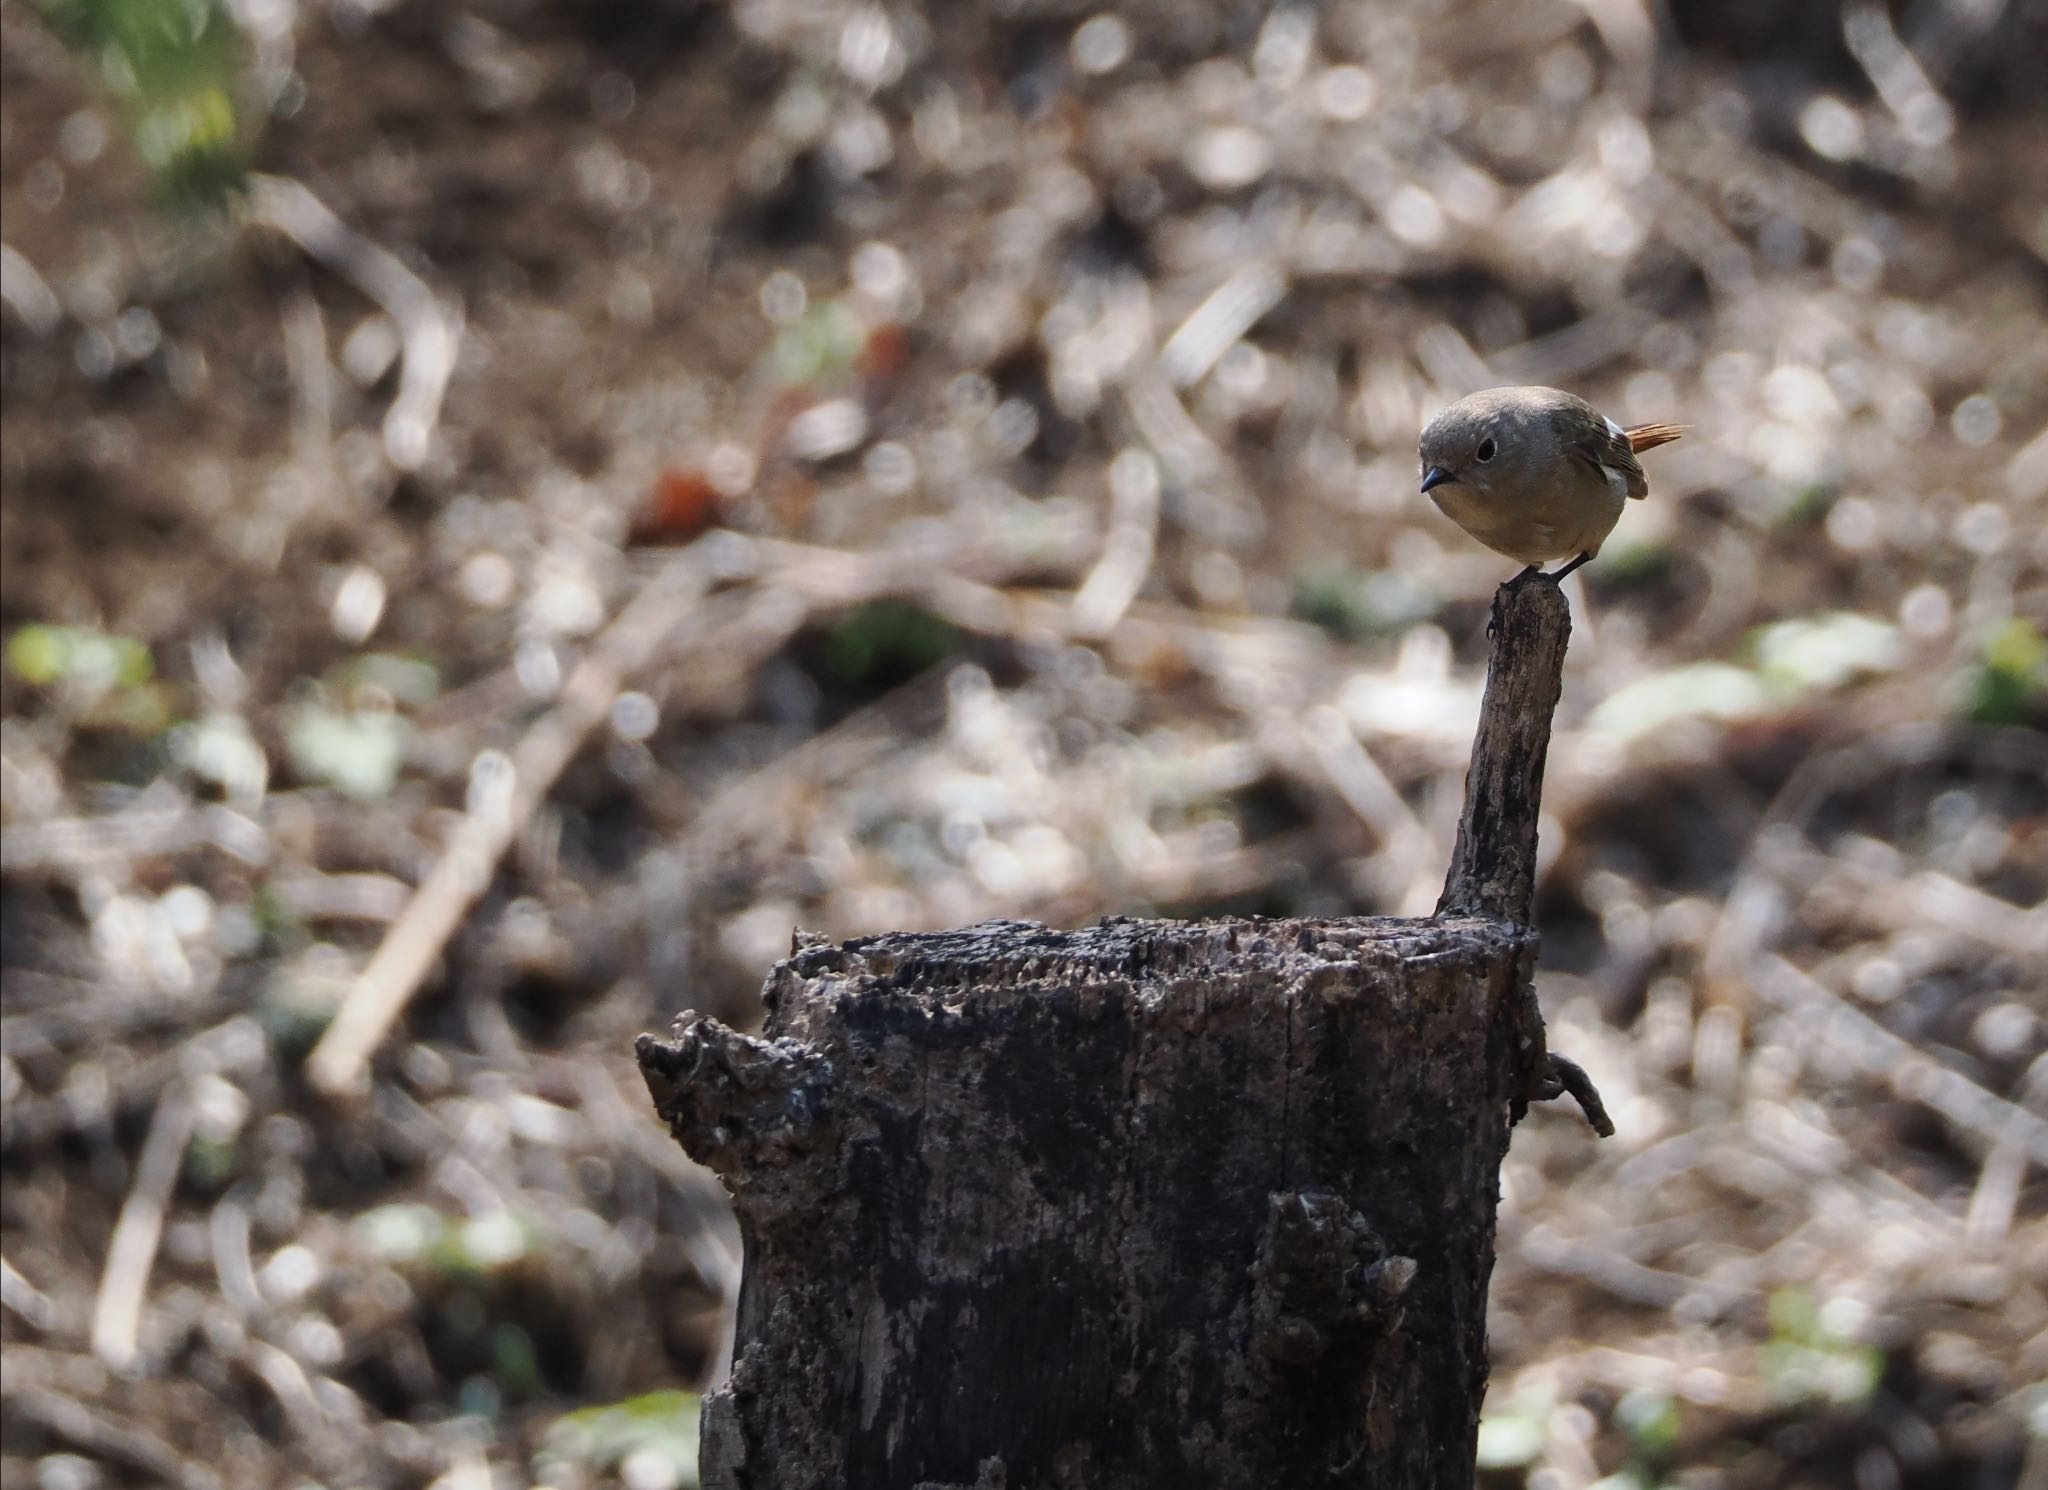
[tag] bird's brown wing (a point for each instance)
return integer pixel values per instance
(1590, 438)
(1602, 446)
(1643, 437)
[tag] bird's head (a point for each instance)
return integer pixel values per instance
(1462, 444)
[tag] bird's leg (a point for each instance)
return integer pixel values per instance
(1559, 576)
(1527, 570)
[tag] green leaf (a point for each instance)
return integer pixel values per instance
(176, 67)
(824, 340)
(1794, 1315)
(885, 641)
(1804, 655)
(486, 1243)
(1845, 1375)
(1825, 651)
(1700, 690)
(2010, 684)
(400, 1233)
(78, 656)
(220, 749)
(358, 752)
(1650, 1419)
(1632, 564)
(1511, 1441)
(1356, 605)
(411, 681)
(515, 1361)
(1806, 1361)
(657, 1429)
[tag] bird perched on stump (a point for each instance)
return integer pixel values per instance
(1535, 473)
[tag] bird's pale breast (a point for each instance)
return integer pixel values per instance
(1570, 514)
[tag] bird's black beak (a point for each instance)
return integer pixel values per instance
(1436, 476)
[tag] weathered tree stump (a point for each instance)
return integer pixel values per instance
(1151, 1204)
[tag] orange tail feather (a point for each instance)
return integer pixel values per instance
(1650, 436)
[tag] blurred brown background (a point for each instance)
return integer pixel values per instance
(690, 471)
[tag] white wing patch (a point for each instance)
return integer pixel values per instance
(1617, 480)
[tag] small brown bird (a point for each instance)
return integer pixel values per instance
(1535, 473)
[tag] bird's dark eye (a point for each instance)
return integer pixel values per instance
(1486, 450)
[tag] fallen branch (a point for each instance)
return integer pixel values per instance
(429, 327)
(97, 1433)
(666, 623)
(131, 1253)
(505, 790)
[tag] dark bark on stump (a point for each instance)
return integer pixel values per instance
(1151, 1204)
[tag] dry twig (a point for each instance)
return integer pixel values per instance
(505, 792)
(96, 1433)
(131, 1254)
(429, 328)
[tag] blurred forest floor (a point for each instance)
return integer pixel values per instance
(626, 481)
